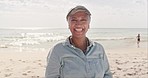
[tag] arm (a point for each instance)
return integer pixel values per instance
(108, 73)
(53, 65)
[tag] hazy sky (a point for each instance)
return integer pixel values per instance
(52, 13)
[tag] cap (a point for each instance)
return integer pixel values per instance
(77, 9)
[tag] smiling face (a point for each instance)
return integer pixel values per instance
(79, 24)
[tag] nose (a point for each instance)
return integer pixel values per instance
(78, 23)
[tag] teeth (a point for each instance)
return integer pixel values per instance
(78, 29)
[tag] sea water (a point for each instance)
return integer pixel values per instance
(43, 39)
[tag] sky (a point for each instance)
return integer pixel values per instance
(52, 13)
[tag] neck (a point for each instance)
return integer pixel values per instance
(80, 43)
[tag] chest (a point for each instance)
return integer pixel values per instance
(73, 66)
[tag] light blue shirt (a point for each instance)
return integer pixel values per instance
(66, 61)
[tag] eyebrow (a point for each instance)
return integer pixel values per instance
(73, 17)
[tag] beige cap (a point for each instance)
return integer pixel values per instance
(77, 9)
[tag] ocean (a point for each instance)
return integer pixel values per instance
(42, 39)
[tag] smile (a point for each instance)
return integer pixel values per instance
(78, 29)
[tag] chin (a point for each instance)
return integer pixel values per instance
(78, 36)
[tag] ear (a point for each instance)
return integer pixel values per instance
(68, 26)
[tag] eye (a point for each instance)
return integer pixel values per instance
(83, 20)
(73, 20)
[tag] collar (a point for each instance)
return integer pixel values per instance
(67, 42)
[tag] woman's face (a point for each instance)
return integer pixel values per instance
(79, 24)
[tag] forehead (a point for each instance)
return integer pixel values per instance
(79, 14)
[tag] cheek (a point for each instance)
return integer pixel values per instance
(71, 25)
(87, 25)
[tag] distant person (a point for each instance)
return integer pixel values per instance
(77, 56)
(138, 40)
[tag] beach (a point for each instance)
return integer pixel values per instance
(128, 62)
(22, 65)
(28, 60)
(125, 62)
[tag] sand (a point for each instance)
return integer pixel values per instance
(125, 62)
(128, 62)
(22, 64)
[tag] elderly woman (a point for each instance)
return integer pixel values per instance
(77, 56)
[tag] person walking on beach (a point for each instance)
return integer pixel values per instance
(77, 56)
(138, 40)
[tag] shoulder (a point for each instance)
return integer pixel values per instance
(55, 50)
(98, 45)
(100, 50)
(57, 45)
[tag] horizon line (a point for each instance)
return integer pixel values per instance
(36, 28)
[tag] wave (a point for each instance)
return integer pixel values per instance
(111, 38)
(21, 39)
(21, 43)
(32, 39)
